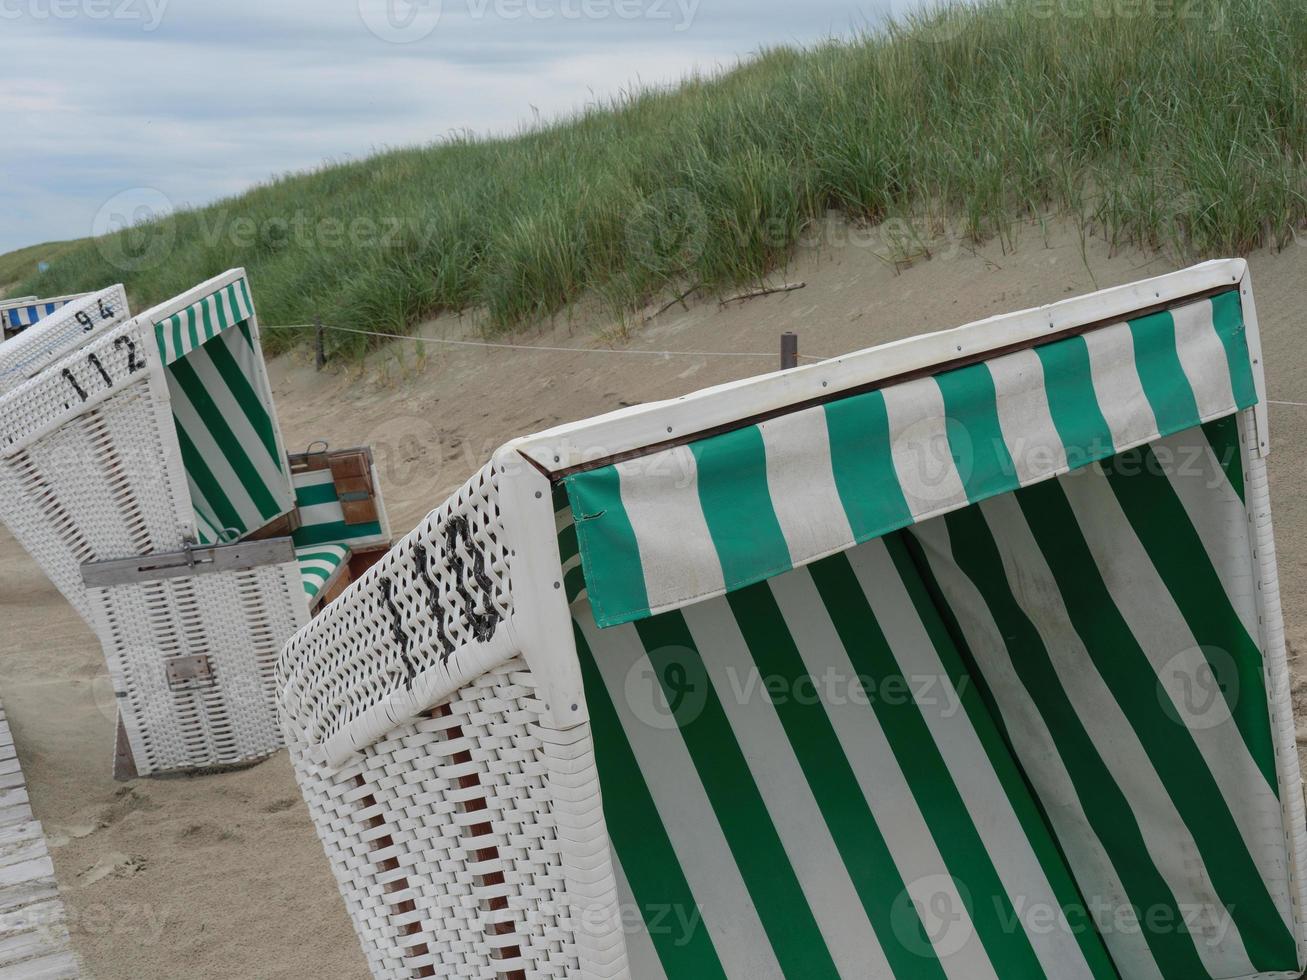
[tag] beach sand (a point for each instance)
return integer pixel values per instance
(223, 876)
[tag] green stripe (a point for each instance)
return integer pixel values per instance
(833, 783)
(984, 716)
(178, 339)
(737, 804)
(959, 843)
(230, 446)
(224, 512)
(1072, 401)
(608, 545)
(333, 532)
(1128, 674)
(1223, 437)
(638, 836)
(975, 437)
(1227, 317)
(858, 430)
(312, 494)
(1165, 384)
(331, 556)
(241, 388)
(1105, 806)
(736, 502)
(210, 328)
(1160, 522)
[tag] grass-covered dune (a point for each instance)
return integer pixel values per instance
(1169, 123)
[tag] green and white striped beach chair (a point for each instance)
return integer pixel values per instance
(139, 461)
(961, 657)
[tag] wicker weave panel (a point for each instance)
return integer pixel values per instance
(238, 620)
(95, 489)
(73, 384)
(444, 841)
(443, 588)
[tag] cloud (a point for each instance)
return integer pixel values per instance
(201, 100)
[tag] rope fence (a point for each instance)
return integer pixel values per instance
(528, 347)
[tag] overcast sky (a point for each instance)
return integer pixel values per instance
(195, 100)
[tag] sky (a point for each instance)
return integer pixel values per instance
(110, 105)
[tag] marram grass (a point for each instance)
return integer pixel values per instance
(1171, 124)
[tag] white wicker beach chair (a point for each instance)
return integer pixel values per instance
(68, 327)
(137, 462)
(962, 656)
(18, 314)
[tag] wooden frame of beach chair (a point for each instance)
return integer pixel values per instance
(883, 666)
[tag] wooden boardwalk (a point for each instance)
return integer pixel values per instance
(34, 942)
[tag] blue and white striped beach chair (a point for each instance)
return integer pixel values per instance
(17, 315)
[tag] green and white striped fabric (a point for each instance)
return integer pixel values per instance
(1029, 738)
(199, 323)
(801, 780)
(322, 520)
(234, 468)
(1112, 620)
(320, 566)
(675, 527)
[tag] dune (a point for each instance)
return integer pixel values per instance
(222, 875)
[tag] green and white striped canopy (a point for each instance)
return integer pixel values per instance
(199, 323)
(222, 411)
(674, 527)
(1028, 738)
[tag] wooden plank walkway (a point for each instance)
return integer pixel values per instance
(34, 942)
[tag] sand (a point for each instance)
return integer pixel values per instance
(222, 875)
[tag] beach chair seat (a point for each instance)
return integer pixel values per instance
(324, 572)
(958, 657)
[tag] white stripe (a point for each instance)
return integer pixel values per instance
(801, 484)
(987, 802)
(1120, 394)
(1025, 417)
(919, 445)
(641, 956)
(1093, 870)
(328, 513)
(1156, 622)
(1217, 514)
(925, 874)
(780, 779)
(312, 478)
(1167, 838)
(1202, 355)
(661, 497)
(682, 804)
